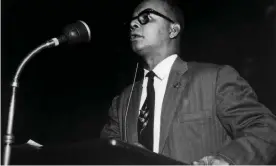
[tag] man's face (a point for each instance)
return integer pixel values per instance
(155, 33)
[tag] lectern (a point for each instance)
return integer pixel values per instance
(94, 152)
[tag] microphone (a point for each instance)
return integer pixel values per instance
(77, 32)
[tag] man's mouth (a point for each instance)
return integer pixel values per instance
(135, 36)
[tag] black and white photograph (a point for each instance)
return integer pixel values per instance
(138, 82)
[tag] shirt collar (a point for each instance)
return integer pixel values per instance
(163, 68)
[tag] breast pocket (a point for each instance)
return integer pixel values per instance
(196, 116)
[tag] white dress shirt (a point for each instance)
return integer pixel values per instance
(162, 71)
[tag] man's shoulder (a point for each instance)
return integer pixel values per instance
(203, 68)
(129, 88)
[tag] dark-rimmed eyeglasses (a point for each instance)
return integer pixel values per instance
(143, 17)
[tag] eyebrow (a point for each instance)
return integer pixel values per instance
(137, 13)
(155, 13)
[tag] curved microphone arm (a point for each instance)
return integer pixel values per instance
(9, 138)
(30, 55)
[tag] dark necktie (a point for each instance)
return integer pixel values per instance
(146, 116)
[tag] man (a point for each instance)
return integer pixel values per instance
(202, 113)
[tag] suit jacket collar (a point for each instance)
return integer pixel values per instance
(175, 88)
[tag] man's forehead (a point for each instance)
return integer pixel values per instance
(153, 4)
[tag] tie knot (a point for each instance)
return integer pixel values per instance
(150, 74)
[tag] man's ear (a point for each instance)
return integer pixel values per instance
(174, 30)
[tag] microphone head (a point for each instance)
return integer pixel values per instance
(78, 32)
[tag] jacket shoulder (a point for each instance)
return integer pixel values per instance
(199, 68)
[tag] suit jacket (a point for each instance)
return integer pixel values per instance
(207, 110)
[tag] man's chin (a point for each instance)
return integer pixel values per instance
(137, 49)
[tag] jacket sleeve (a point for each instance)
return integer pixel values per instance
(111, 129)
(250, 124)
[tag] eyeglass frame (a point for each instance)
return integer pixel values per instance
(151, 11)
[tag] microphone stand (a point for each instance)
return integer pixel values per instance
(9, 138)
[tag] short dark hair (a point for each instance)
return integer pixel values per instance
(174, 7)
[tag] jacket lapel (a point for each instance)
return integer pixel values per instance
(132, 135)
(176, 83)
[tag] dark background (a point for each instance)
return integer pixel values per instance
(64, 93)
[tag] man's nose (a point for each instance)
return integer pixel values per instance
(134, 24)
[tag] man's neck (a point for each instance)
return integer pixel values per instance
(152, 61)
(154, 58)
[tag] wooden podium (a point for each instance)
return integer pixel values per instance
(95, 152)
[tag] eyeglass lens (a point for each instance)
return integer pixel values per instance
(143, 18)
